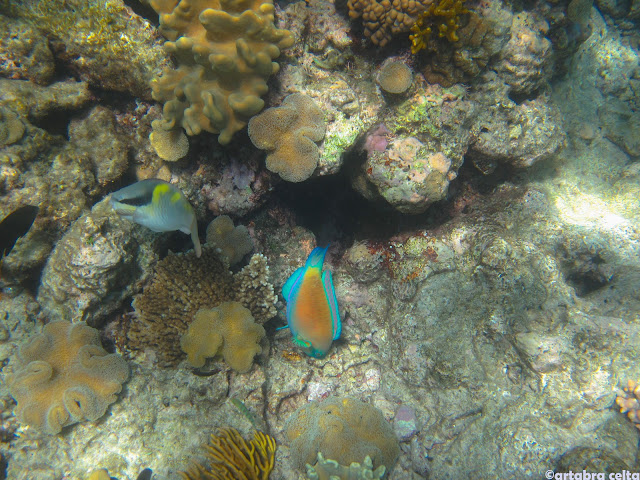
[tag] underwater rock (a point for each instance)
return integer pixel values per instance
(101, 260)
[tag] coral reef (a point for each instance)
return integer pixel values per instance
(231, 456)
(343, 429)
(627, 400)
(64, 376)
(97, 41)
(290, 133)
(444, 16)
(232, 243)
(225, 51)
(100, 261)
(230, 326)
(330, 469)
(183, 284)
(395, 77)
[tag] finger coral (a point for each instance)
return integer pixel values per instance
(343, 429)
(232, 457)
(183, 284)
(444, 15)
(289, 132)
(627, 400)
(232, 243)
(225, 51)
(382, 20)
(64, 376)
(229, 326)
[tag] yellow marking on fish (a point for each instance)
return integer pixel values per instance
(175, 198)
(158, 192)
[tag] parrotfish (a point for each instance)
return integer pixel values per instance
(312, 308)
(159, 206)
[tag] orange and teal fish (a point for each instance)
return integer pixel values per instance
(312, 308)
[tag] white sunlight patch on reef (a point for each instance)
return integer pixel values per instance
(587, 210)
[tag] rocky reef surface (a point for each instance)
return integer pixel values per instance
(483, 219)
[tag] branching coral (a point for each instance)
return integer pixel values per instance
(289, 132)
(63, 376)
(224, 50)
(233, 458)
(182, 285)
(627, 400)
(229, 326)
(444, 15)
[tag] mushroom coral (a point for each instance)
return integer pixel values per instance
(64, 376)
(289, 132)
(229, 326)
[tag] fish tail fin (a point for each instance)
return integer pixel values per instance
(316, 257)
(123, 209)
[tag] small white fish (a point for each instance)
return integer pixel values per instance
(159, 206)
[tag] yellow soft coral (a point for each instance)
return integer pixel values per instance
(232, 457)
(289, 132)
(229, 326)
(444, 15)
(224, 50)
(63, 376)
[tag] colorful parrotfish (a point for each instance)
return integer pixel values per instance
(159, 206)
(312, 308)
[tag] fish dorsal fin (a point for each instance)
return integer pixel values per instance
(291, 282)
(330, 292)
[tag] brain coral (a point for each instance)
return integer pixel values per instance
(63, 376)
(343, 429)
(395, 77)
(224, 50)
(289, 132)
(183, 284)
(229, 325)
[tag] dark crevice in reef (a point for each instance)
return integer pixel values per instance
(143, 10)
(56, 121)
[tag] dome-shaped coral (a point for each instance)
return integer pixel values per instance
(230, 325)
(63, 376)
(395, 77)
(343, 429)
(289, 133)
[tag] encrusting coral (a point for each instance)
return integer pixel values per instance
(182, 285)
(232, 243)
(627, 400)
(327, 469)
(63, 376)
(289, 132)
(224, 50)
(232, 457)
(229, 326)
(343, 429)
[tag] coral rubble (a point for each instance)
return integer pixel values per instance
(64, 376)
(225, 51)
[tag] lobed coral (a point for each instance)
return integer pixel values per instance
(183, 284)
(343, 429)
(627, 400)
(289, 132)
(64, 376)
(232, 457)
(224, 50)
(229, 326)
(444, 15)
(232, 243)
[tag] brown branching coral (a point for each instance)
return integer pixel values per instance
(627, 400)
(225, 51)
(233, 458)
(444, 16)
(182, 285)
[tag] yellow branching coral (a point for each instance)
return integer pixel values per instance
(444, 16)
(231, 457)
(183, 284)
(63, 376)
(229, 326)
(225, 51)
(289, 132)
